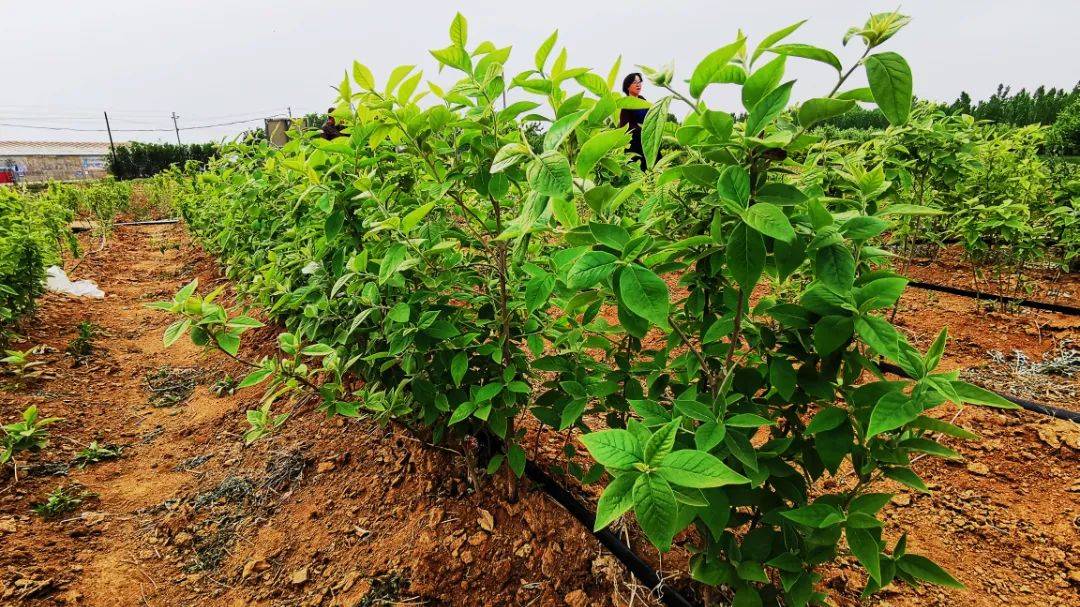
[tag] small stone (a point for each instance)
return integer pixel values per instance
(183, 539)
(576, 598)
(467, 557)
(7, 525)
(902, 499)
(254, 566)
(477, 538)
(299, 576)
(487, 522)
(325, 467)
(978, 468)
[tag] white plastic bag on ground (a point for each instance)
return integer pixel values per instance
(57, 281)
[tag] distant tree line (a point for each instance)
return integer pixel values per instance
(1053, 107)
(134, 160)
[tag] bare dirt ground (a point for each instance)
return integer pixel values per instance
(342, 512)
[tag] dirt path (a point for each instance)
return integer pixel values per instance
(346, 513)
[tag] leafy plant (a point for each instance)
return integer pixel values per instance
(263, 423)
(705, 326)
(82, 345)
(30, 434)
(226, 386)
(60, 501)
(95, 453)
(20, 363)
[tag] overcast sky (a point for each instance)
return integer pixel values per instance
(227, 60)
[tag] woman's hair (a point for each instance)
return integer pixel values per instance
(630, 78)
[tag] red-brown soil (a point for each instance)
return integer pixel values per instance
(343, 512)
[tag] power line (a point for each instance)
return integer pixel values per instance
(161, 130)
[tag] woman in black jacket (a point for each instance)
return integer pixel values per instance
(631, 86)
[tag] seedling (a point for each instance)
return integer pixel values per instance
(226, 386)
(61, 501)
(82, 345)
(30, 434)
(95, 453)
(21, 365)
(263, 423)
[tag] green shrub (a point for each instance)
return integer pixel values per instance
(469, 280)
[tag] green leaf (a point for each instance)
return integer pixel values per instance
(661, 442)
(544, 51)
(590, 269)
(392, 260)
(834, 266)
(937, 349)
(611, 235)
(656, 510)
(880, 293)
(459, 30)
(832, 332)
(880, 335)
(561, 129)
(597, 147)
(363, 77)
(782, 376)
(866, 549)
(549, 174)
(761, 81)
(254, 378)
(892, 411)
(617, 498)
(617, 449)
(734, 185)
(317, 350)
(768, 108)
(770, 220)
(644, 294)
(176, 330)
(890, 81)
(719, 124)
(816, 516)
(807, 51)
(488, 392)
(813, 111)
(980, 396)
(698, 470)
(334, 222)
(509, 155)
(184, 293)
(711, 67)
(864, 227)
(458, 366)
(826, 419)
(228, 342)
(537, 292)
(745, 256)
(863, 94)
(922, 568)
(907, 477)
(652, 129)
(747, 420)
(414, 216)
(515, 456)
(773, 38)
(462, 412)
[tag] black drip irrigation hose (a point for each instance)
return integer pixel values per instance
(1059, 413)
(155, 222)
(1027, 303)
(639, 568)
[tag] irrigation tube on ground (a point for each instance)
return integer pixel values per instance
(1026, 404)
(1027, 303)
(639, 568)
(154, 222)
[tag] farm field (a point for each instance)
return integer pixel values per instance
(523, 339)
(188, 515)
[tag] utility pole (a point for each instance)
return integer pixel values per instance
(112, 146)
(177, 127)
(290, 112)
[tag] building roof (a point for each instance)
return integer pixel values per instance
(53, 148)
